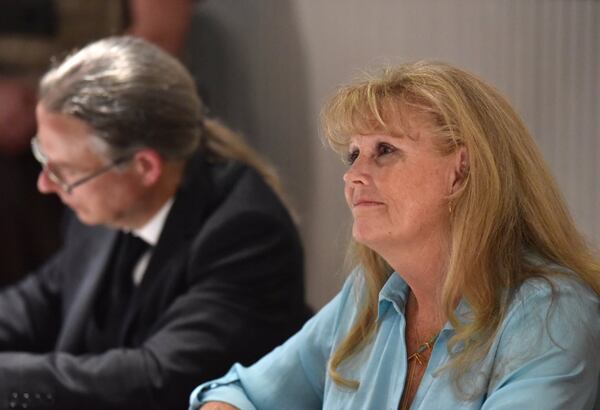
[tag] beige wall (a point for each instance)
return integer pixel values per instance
(266, 66)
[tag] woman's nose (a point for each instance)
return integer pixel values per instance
(358, 173)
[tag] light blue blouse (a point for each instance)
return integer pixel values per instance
(546, 355)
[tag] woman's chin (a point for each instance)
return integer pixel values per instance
(365, 237)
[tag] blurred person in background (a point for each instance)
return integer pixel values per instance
(31, 32)
(179, 258)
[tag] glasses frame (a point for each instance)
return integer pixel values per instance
(58, 180)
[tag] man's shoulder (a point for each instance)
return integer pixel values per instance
(231, 186)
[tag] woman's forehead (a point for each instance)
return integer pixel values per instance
(404, 125)
(391, 116)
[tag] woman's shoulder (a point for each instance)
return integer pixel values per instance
(560, 287)
(343, 307)
(337, 316)
(551, 332)
(554, 307)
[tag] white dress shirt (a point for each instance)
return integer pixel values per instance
(150, 233)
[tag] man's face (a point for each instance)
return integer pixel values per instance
(112, 198)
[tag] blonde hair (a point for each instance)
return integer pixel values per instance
(508, 204)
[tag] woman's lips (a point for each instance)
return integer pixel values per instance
(365, 203)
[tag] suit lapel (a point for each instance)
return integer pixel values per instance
(188, 212)
(93, 270)
(192, 203)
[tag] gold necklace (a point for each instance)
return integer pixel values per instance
(422, 361)
(428, 345)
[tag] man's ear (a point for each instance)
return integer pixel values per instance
(149, 165)
(461, 169)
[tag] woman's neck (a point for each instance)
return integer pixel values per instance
(424, 270)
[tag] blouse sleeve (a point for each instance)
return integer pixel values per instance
(547, 352)
(292, 376)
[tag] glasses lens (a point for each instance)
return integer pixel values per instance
(37, 153)
(52, 173)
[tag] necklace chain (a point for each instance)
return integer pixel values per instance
(428, 345)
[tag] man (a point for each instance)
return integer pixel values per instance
(122, 142)
(31, 31)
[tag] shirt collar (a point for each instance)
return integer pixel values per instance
(151, 231)
(393, 293)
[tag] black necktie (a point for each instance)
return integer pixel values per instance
(129, 251)
(112, 305)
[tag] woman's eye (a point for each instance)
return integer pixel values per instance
(351, 157)
(383, 149)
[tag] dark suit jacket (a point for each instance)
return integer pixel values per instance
(224, 284)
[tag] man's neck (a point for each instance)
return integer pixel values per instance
(155, 199)
(151, 231)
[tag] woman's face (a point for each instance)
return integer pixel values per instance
(397, 188)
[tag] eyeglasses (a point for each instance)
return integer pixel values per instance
(54, 174)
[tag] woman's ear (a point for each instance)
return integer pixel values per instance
(149, 165)
(461, 169)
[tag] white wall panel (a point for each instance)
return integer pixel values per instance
(268, 65)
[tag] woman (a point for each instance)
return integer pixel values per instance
(472, 287)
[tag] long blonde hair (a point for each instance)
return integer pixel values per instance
(508, 204)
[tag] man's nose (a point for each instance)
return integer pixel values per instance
(44, 184)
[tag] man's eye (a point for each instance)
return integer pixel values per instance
(65, 174)
(383, 149)
(56, 171)
(69, 173)
(351, 157)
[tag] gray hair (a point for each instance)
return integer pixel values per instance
(131, 93)
(134, 95)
